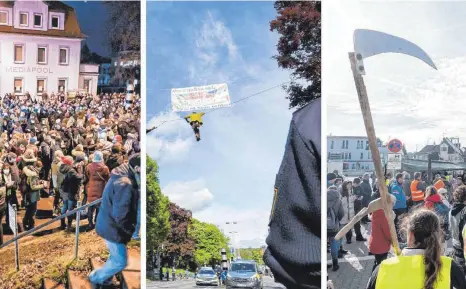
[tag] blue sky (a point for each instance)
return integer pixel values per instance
(409, 100)
(229, 175)
(92, 17)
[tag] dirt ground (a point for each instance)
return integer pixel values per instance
(48, 256)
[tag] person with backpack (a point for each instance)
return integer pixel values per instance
(434, 202)
(335, 214)
(400, 208)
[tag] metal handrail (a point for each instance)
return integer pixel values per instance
(33, 230)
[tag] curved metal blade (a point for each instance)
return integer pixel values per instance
(370, 42)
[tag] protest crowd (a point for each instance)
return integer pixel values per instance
(427, 214)
(65, 147)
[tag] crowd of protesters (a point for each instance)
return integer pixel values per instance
(426, 215)
(64, 147)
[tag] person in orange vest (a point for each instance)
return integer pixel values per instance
(195, 120)
(417, 190)
(438, 183)
(422, 258)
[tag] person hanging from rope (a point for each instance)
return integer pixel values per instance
(195, 120)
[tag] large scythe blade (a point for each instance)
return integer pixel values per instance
(368, 43)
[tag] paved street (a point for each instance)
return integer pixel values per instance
(356, 267)
(185, 284)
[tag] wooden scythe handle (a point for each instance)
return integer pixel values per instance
(369, 124)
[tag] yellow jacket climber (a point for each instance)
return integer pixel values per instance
(193, 117)
(195, 120)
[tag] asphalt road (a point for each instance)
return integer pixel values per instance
(188, 284)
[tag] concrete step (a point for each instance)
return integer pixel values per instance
(75, 281)
(131, 276)
(51, 284)
(97, 263)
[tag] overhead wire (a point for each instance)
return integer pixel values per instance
(234, 102)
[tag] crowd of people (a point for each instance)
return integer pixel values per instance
(64, 147)
(425, 214)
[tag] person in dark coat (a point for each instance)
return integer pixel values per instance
(116, 221)
(366, 194)
(69, 190)
(97, 175)
(32, 194)
(115, 158)
(294, 241)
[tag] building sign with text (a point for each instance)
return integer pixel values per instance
(33, 69)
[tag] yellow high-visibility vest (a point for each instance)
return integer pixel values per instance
(409, 272)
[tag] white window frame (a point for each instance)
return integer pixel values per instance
(67, 55)
(46, 54)
(23, 50)
(6, 13)
(27, 19)
(22, 85)
(58, 21)
(37, 86)
(66, 84)
(41, 20)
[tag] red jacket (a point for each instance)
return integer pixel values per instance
(431, 200)
(380, 240)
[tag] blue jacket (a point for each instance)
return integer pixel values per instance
(116, 221)
(294, 249)
(396, 189)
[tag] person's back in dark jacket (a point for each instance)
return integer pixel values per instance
(71, 182)
(294, 250)
(116, 221)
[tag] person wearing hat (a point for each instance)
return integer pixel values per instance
(116, 158)
(69, 189)
(117, 218)
(32, 193)
(97, 175)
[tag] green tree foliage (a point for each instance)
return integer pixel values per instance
(157, 217)
(91, 57)
(405, 152)
(209, 243)
(299, 48)
(252, 254)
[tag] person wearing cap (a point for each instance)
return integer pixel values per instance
(117, 218)
(294, 240)
(46, 156)
(97, 175)
(32, 193)
(69, 189)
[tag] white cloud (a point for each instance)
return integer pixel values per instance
(408, 99)
(251, 224)
(191, 195)
(241, 147)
